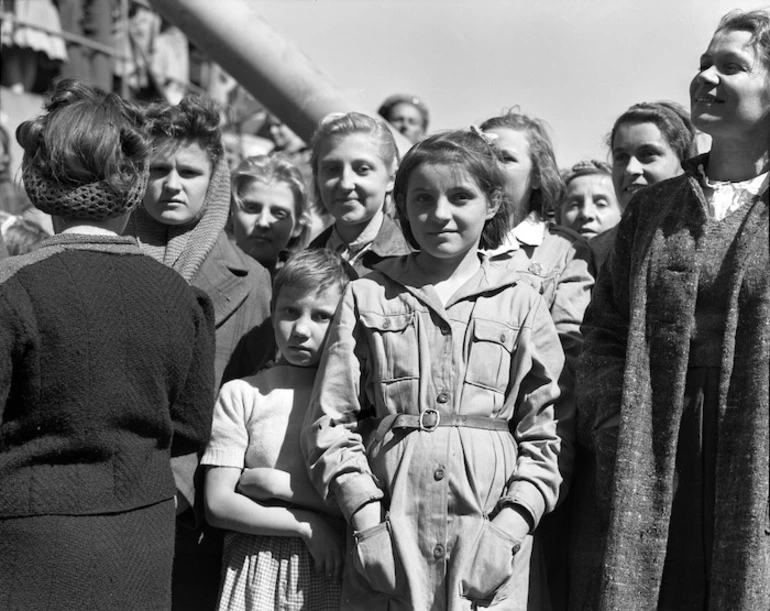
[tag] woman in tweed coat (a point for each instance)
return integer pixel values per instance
(673, 381)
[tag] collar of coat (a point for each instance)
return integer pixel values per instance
(490, 277)
(227, 276)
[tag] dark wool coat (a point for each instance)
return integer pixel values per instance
(630, 382)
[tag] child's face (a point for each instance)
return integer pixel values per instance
(517, 161)
(179, 180)
(447, 211)
(352, 178)
(590, 206)
(301, 320)
(265, 220)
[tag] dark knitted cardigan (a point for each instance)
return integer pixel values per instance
(106, 371)
(630, 386)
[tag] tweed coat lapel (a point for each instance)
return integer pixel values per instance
(742, 548)
(220, 277)
(664, 281)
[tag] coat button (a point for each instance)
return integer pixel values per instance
(445, 330)
(503, 337)
(516, 549)
(438, 551)
(442, 397)
(439, 473)
(386, 324)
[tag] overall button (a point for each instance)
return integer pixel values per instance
(442, 397)
(438, 551)
(503, 337)
(386, 324)
(439, 474)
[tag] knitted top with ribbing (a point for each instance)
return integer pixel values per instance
(106, 370)
(713, 289)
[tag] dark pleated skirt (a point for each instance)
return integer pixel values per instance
(687, 568)
(118, 561)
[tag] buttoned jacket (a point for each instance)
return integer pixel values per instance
(492, 351)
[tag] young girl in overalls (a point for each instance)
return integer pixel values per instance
(435, 423)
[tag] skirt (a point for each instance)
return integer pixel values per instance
(265, 573)
(113, 562)
(687, 569)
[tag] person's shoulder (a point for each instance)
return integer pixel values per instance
(322, 238)
(664, 190)
(238, 261)
(562, 233)
(390, 240)
(266, 381)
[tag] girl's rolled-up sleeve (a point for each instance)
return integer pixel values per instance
(332, 447)
(543, 423)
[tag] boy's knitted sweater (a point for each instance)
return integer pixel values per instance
(106, 370)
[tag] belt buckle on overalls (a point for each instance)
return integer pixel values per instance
(429, 427)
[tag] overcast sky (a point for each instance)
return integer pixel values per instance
(577, 64)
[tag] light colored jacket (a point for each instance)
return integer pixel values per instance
(559, 264)
(491, 352)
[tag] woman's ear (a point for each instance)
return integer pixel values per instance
(494, 201)
(391, 183)
(302, 222)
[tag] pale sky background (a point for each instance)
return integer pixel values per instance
(577, 64)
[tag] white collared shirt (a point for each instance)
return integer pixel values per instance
(529, 232)
(724, 196)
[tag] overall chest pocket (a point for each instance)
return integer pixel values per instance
(394, 343)
(489, 363)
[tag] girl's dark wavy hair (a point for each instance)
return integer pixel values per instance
(545, 171)
(195, 118)
(670, 118)
(85, 135)
(465, 150)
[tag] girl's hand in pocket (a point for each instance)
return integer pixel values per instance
(512, 522)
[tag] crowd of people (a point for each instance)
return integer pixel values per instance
(334, 377)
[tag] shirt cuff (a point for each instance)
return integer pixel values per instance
(351, 491)
(528, 497)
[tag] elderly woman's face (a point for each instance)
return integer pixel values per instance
(407, 119)
(590, 206)
(179, 179)
(730, 94)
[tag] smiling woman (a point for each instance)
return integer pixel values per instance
(672, 383)
(648, 144)
(354, 160)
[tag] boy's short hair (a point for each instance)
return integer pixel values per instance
(314, 270)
